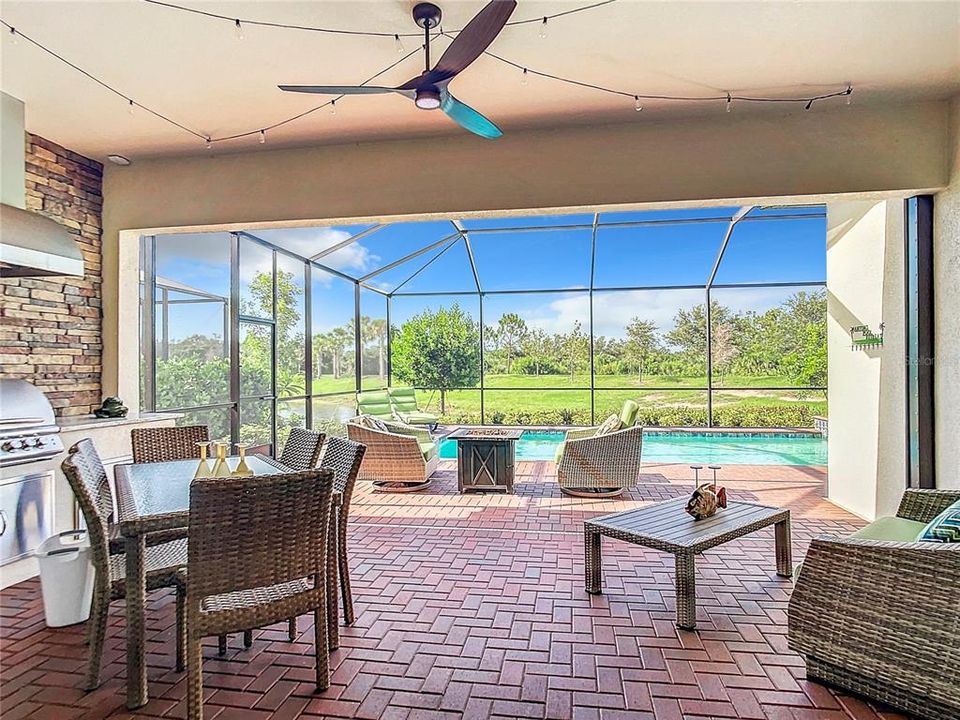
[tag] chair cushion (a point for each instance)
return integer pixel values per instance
(610, 425)
(894, 529)
(403, 399)
(417, 418)
(371, 423)
(944, 528)
(558, 455)
(376, 403)
(628, 414)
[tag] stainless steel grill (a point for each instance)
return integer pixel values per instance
(28, 428)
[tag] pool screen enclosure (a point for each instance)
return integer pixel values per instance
(712, 316)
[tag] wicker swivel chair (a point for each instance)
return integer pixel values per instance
(599, 465)
(401, 459)
(877, 613)
(257, 555)
(88, 480)
(301, 451)
(169, 443)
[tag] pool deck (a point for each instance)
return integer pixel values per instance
(473, 607)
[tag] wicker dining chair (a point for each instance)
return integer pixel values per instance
(257, 555)
(88, 480)
(302, 449)
(167, 443)
(343, 457)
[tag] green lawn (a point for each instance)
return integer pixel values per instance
(521, 402)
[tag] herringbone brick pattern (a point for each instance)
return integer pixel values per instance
(473, 607)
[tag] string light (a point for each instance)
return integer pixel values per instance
(238, 28)
(399, 43)
(849, 93)
(543, 28)
(333, 107)
(130, 107)
(636, 103)
(209, 143)
(363, 33)
(13, 36)
(524, 79)
(808, 105)
(263, 136)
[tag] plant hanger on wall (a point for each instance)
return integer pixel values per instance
(429, 90)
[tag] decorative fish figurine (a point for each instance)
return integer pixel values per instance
(707, 497)
(705, 500)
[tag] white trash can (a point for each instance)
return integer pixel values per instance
(66, 577)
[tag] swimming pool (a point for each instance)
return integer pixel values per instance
(700, 448)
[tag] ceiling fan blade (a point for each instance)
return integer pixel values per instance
(475, 37)
(467, 117)
(341, 89)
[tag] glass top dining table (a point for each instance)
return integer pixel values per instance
(152, 497)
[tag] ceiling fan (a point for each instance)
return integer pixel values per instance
(429, 90)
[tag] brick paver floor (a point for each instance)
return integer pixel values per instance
(473, 607)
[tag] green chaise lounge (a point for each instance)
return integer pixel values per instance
(601, 465)
(403, 401)
(877, 613)
(375, 403)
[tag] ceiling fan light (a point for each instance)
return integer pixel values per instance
(428, 99)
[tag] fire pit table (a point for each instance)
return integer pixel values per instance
(485, 458)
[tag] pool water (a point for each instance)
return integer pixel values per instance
(715, 448)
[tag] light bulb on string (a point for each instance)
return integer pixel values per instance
(543, 28)
(849, 93)
(636, 103)
(14, 36)
(523, 77)
(808, 105)
(333, 107)
(399, 43)
(238, 28)
(729, 102)
(130, 107)
(263, 136)
(209, 143)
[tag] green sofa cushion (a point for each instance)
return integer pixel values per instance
(894, 529)
(944, 528)
(404, 399)
(428, 448)
(628, 414)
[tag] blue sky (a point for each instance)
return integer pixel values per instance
(769, 250)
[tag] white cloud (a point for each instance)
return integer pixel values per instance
(613, 311)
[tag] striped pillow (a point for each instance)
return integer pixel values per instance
(944, 528)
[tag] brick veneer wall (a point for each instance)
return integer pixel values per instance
(50, 329)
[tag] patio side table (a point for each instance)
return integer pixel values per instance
(665, 526)
(485, 458)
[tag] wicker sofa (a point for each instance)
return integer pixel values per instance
(400, 460)
(878, 614)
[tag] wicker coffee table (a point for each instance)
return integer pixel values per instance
(665, 526)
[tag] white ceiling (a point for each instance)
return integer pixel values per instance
(194, 70)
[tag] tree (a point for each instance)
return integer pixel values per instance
(438, 350)
(538, 346)
(509, 336)
(723, 348)
(642, 342)
(574, 349)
